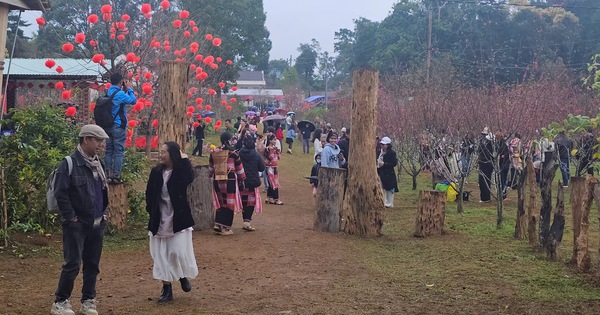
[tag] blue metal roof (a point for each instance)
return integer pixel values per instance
(314, 98)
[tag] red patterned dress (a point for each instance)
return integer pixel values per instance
(226, 193)
(272, 156)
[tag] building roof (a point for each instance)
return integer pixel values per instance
(251, 76)
(257, 92)
(36, 68)
(37, 5)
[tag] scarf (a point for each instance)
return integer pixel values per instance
(93, 162)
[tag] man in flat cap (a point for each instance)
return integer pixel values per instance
(82, 198)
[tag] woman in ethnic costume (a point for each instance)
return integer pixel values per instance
(253, 165)
(170, 224)
(272, 156)
(226, 192)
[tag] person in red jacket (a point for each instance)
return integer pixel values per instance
(279, 133)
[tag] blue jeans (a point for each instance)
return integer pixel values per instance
(81, 244)
(115, 150)
(564, 170)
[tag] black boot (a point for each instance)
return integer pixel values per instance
(186, 286)
(167, 294)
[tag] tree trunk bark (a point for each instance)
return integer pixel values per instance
(461, 190)
(431, 213)
(521, 224)
(414, 181)
(172, 99)
(532, 212)
(363, 205)
(558, 224)
(117, 203)
(578, 188)
(200, 198)
(330, 197)
(583, 255)
(500, 194)
(548, 172)
(597, 199)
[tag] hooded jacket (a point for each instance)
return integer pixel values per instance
(330, 158)
(253, 164)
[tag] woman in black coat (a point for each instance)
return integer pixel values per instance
(170, 224)
(386, 163)
(253, 164)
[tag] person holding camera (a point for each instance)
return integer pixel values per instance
(115, 145)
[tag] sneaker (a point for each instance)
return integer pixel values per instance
(248, 227)
(62, 308)
(289, 151)
(88, 307)
(225, 232)
(117, 180)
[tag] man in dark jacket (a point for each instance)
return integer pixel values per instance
(253, 164)
(344, 145)
(199, 133)
(82, 199)
(564, 145)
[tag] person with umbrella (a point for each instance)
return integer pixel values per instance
(306, 127)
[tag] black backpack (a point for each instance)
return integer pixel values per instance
(103, 111)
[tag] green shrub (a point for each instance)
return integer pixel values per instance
(137, 207)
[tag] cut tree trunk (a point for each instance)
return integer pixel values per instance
(172, 96)
(431, 213)
(549, 168)
(200, 198)
(117, 203)
(330, 198)
(532, 209)
(363, 205)
(583, 254)
(578, 188)
(521, 223)
(558, 224)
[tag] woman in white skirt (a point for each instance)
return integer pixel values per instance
(170, 224)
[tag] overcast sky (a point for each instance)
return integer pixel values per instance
(292, 22)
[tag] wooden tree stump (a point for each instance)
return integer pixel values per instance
(578, 188)
(363, 204)
(583, 255)
(532, 209)
(172, 96)
(118, 206)
(330, 197)
(431, 213)
(549, 168)
(558, 224)
(200, 198)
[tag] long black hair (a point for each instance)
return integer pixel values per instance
(174, 151)
(317, 135)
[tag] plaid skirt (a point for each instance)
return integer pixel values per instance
(227, 194)
(251, 198)
(273, 177)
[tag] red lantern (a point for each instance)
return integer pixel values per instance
(203, 75)
(190, 108)
(198, 57)
(107, 8)
(177, 23)
(106, 16)
(193, 66)
(128, 142)
(129, 133)
(92, 18)
(66, 94)
(40, 21)
(132, 123)
(155, 123)
(189, 114)
(30, 85)
(219, 59)
(233, 100)
(146, 8)
(67, 47)
(148, 75)
(195, 29)
(60, 85)
(147, 88)
(196, 124)
(140, 142)
(148, 103)
(165, 4)
(50, 85)
(187, 34)
(221, 84)
(224, 103)
(192, 23)
(208, 37)
(184, 14)
(234, 88)
(154, 142)
(214, 66)
(41, 86)
(212, 92)
(207, 119)
(71, 111)
(93, 43)
(113, 36)
(59, 69)
(229, 62)
(97, 58)
(130, 57)
(217, 127)
(121, 37)
(125, 17)
(136, 43)
(92, 107)
(80, 38)
(199, 100)
(208, 107)
(228, 108)
(216, 42)
(50, 63)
